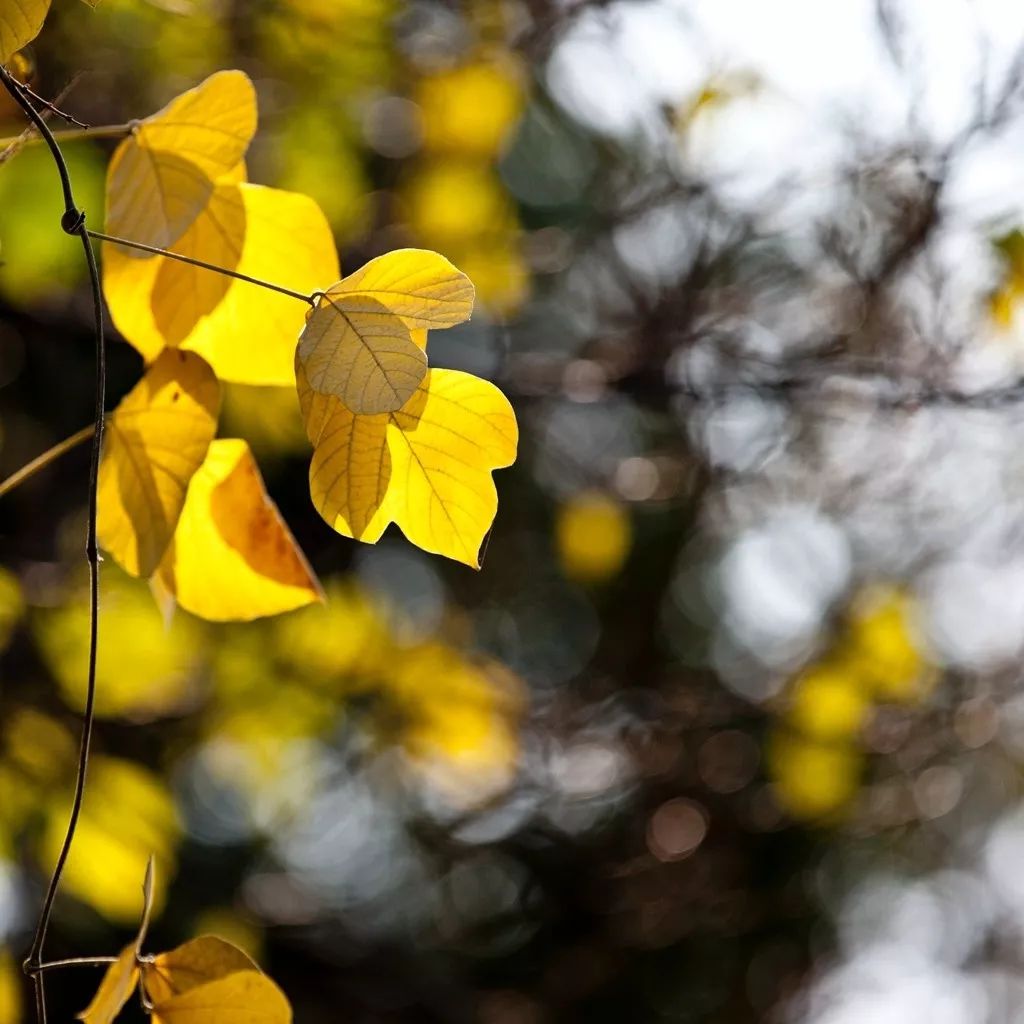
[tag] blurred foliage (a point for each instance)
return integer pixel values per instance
(729, 726)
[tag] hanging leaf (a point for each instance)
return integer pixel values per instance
(426, 467)
(246, 333)
(161, 178)
(156, 440)
(115, 989)
(232, 556)
(364, 356)
(20, 22)
(195, 963)
(245, 997)
(358, 346)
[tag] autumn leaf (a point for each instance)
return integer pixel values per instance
(245, 997)
(246, 333)
(367, 358)
(232, 556)
(419, 286)
(161, 178)
(115, 989)
(20, 22)
(195, 963)
(357, 344)
(204, 980)
(156, 440)
(426, 467)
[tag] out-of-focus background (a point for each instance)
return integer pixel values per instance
(730, 727)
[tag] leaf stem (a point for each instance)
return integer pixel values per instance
(40, 462)
(72, 223)
(78, 961)
(106, 131)
(156, 251)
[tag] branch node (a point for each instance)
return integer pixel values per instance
(72, 221)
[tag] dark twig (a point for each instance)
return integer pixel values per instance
(39, 101)
(156, 251)
(73, 223)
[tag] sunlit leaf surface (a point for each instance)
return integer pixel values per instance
(162, 177)
(115, 989)
(232, 556)
(245, 332)
(194, 963)
(426, 467)
(20, 22)
(155, 440)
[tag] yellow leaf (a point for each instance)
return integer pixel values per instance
(161, 178)
(364, 355)
(115, 989)
(418, 285)
(20, 22)
(156, 439)
(426, 467)
(245, 997)
(246, 333)
(232, 556)
(195, 963)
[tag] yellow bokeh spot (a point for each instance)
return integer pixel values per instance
(144, 670)
(497, 268)
(813, 780)
(456, 719)
(345, 638)
(471, 109)
(829, 702)
(882, 647)
(267, 417)
(11, 605)
(128, 815)
(10, 990)
(593, 534)
(450, 201)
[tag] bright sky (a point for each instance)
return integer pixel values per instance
(822, 64)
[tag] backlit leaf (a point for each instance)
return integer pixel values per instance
(245, 997)
(115, 989)
(20, 22)
(420, 286)
(232, 556)
(245, 332)
(156, 439)
(426, 467)
(363, 354)
(195, 963)
(162, 177)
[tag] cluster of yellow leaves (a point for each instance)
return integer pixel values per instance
(205, 981)
(393, 442)
(814, 756)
